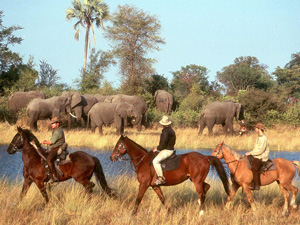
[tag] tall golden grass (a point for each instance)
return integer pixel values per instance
(281, 138)
(70, 205)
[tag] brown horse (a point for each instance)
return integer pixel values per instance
(193, 166)
(81, 168)
(242, 176)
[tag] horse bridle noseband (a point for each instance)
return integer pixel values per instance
(14, 145)
(119, 156)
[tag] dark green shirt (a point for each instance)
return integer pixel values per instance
(58, 137)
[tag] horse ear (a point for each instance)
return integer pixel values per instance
(19, 129)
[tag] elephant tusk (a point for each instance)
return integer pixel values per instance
(73, 115)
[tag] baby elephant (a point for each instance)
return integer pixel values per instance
(107, 113)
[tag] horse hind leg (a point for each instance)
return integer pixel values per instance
(294, 192)
(89, 187)
(200, 188)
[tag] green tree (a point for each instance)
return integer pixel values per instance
(156, 82)
(9, 60)
(47, 76)
(87, 12)
(99, 63)
(288, 80)
(294, 61)
(245, 73)
(183, 81)
(27, 77)
(133, 34)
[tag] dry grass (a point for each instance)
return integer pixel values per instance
(281, 138)
(70, 205)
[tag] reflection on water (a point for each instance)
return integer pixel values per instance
(11, 165)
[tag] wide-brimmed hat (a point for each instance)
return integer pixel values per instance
(165, 121)
(260, 126)
(55, 120)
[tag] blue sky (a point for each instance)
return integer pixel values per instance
(210, 33)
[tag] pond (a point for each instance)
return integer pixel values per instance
(11, 166)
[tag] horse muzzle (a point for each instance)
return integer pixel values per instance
(114, 157)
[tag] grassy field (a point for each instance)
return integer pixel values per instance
(70, 205)
(281, 138)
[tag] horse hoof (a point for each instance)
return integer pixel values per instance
(285, 213)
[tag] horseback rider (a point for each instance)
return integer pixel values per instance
(258, 155)
(166, 147)
(56, 141)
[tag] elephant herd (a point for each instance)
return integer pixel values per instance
(120, 109)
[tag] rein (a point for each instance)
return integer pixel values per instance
(121, 158)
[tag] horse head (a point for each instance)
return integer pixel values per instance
(17, 142)
(218, 151)
(119, 149)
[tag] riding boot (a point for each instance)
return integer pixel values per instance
(256, 165)
(50, 161)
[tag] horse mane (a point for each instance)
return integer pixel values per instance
(32, 137)
(145, 150)
(236, 155)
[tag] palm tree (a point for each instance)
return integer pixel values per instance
(87, 12)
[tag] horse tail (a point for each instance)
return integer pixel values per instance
(217, 164)
(100, 177)
(297, 164)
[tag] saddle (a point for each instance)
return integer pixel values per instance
(267, 166)
(170, 163)
(61, 159)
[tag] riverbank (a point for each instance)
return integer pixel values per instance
(70, 205)
(281, 138)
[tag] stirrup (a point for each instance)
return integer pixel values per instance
(160, 181)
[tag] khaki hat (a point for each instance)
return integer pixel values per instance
(55, 120)
(165, 121)
(260, 126)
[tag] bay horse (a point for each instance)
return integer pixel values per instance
(241, 176)
(193, 166)
(81, 166)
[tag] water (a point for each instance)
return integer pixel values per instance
(11, 166)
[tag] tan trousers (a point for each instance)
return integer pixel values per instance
(160, 157)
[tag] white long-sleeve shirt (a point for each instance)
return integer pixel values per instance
(261, 149)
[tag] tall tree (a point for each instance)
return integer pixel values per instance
(9, 60)
(134, 33)
(295, 61)
(184, 79)
(245, 73)
(47, 76)
(87, 12)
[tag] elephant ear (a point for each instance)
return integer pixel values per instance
(76, 99)
(121, 110)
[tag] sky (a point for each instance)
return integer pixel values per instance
(209, 33)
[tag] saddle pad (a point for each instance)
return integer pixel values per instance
(171, 163)
(268, 165)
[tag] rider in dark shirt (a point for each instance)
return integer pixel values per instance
(166, 147)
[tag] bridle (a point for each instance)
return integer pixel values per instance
(15, 147)
(119, 156)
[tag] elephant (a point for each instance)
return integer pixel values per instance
(41, 109)
(80, 106)
(107, 113)
(20, 99)
(163, 101)
(104, 98)
(138, 103)
(220, 113)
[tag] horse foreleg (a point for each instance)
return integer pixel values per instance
(42, 188)
(286, 196)
(26, 186)
(249, 196)
(160, 195)
(142, 189)
(233, 191)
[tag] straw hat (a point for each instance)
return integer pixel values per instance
(260, 126)
(165, 121)
(55, 120)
